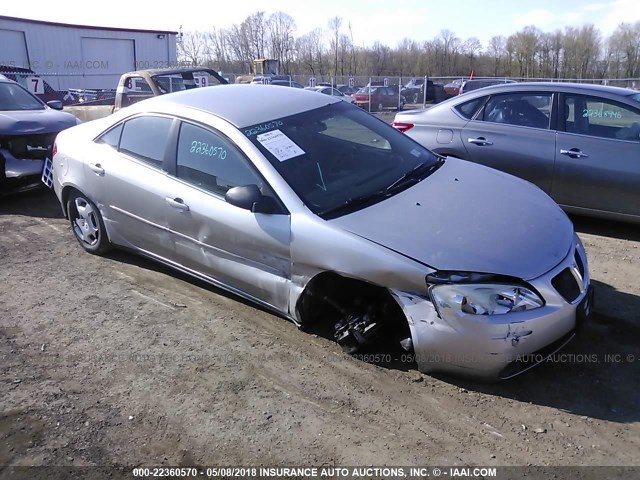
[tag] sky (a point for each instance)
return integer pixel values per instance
(386, 21)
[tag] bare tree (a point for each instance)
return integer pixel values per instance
(191, 48)
(334, 25)
(471, 47)
(496, 49)
(280, 28)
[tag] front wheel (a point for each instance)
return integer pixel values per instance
(87, 225)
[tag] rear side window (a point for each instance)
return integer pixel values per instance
(601, 117)
(112, 137)
(146, 139)
(469, 109)
(521, 109)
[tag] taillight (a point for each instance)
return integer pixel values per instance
(55, 149)
(402, 126)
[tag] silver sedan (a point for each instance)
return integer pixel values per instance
(326, 215)
(579, 143)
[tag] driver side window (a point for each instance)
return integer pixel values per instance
(210, 161)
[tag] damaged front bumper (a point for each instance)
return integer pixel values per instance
(494, 347)
(22, 160)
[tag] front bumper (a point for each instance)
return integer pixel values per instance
(494, 347)
(19, 175)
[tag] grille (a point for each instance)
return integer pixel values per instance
(34, 147)
(566, 285)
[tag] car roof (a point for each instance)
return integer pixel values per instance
(553, 86)
(261, 102)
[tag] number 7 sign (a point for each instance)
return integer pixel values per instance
(35, 85)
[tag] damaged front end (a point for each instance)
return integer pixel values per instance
(493, 327)
(22, 160)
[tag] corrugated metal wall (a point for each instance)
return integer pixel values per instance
(77, 57)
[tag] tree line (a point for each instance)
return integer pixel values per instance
(574, 53)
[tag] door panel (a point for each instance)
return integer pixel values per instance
(607, 179)
(131, 197)
(244, 250)
(513, 135)
(521, 151)
(247, 251)
(598, 155)
(125, 178)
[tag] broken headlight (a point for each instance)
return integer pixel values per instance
(483, 299)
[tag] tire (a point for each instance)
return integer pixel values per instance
(87, 225)
(416, 97)
(380, 107)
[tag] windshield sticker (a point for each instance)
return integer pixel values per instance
(280, 146)
(264, 127)
(415, 153)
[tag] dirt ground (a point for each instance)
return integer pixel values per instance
(118, 360)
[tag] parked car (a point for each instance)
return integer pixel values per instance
(452, 88)
(381, 98)
(414, 91)
(579, 143)
(315, 209)
(286, 83)
(347, 89)
(28, 127)
(476, 83)
(333, 92)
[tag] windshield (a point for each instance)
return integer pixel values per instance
(336, 154)
(14, 97)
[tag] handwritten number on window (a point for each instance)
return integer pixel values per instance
(203, 148)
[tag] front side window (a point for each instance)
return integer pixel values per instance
(211, 162)
(338, 158)
(145, 138)
(600, 117)
(522, 109)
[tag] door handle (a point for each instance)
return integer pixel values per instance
(96, 168)
(573, 153)
(480, 141)
(177, 203)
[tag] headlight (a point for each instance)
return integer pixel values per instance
(483, 299)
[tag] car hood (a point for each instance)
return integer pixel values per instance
(34, 121)
(467, 217)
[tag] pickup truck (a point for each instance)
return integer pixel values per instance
(143, 84)
(413, 91)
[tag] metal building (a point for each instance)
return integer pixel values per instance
(82, 56)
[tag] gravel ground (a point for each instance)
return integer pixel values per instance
(116, 360)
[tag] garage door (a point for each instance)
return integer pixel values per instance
(105, 59)
(14, 48)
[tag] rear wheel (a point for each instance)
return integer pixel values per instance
(87, 225)
(380, 107)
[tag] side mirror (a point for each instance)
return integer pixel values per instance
(249, 197)
(55, 104)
